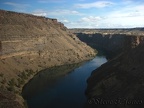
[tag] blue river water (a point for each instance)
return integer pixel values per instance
(67, 91)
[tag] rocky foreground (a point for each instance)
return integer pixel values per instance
(29, 44)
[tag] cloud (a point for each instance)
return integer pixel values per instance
(121, 16)
(98, 4)
(127, 2)
(91, 19)
(55, 13)
(63, 12)
(53, 1)
(17, 6)
(131, 11)
(85, 22)
(65, 21)
(39, 13)
(81, 25)
(128, 16)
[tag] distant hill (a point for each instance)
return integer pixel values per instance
(128, 31)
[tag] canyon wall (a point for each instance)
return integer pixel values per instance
(119, 83)
(31, 43)
(111, 44)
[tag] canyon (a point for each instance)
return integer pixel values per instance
(111, 41)
(29, 44)
(119, 83)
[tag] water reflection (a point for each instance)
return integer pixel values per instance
(46, 78)
(54, 88)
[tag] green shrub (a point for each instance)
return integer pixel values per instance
(12, 82)
(11, 88)
(20, 82)
(23, 75)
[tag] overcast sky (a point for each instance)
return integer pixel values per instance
(84, 13)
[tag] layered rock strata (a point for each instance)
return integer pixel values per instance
(119, 83)
(111, 44)
(31, 43)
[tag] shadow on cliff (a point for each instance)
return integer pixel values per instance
(110, 45)
(119, 83)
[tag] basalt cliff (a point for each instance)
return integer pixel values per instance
(29, 44)
(111, 41)
(119, 83)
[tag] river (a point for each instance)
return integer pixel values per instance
(61, 87)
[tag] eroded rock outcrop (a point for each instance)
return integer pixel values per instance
(31, 43)
(119, 83)
(111, 44)
(120, 80)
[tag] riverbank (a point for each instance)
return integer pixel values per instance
(15, 88)
(65, 88)
(27, 47)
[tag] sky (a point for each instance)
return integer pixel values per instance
(83, 13)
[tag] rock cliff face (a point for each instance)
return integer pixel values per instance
(31, 43)
(119, 83)
(128, 31)
(112, 44)
(120, 80)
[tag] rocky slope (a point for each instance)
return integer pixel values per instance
(111, 43)
(31, 43)
(120, 80)
(119, 83)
